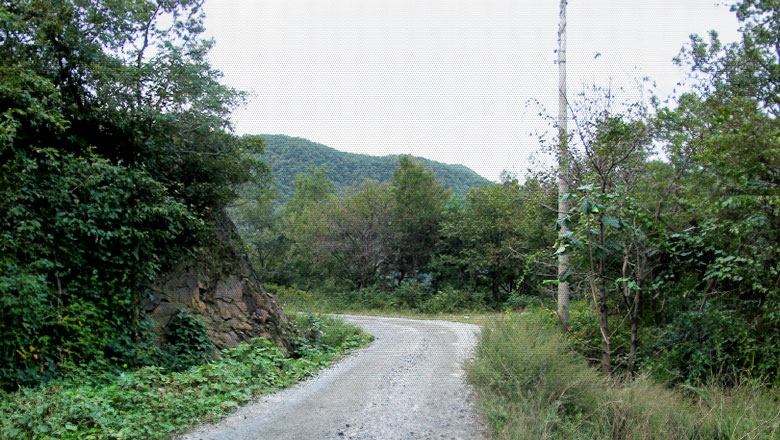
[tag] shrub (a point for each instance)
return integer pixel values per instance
(450, 300)
(518, 302)
(186, 342)
(317, 333)
(79, 240)
(410, 295)
(697, 346)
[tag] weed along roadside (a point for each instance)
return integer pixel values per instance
(156, 403)
(532, 384)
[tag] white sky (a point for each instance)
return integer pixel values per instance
(448, 80)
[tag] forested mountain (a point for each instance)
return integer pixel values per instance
(289, 156)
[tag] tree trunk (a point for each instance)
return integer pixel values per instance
(634, 331)
(495, 289)
(606, 354)
(606, 351)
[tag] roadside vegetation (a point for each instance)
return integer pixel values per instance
(117, 160)
(533, 384)
(299, 301)
(155, 402)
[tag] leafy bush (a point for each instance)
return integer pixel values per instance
(410, 296)
(323, 334)
(698, 346)
(151, 403)
(520, 301)
(73, 266)
(450, 300)
(186, 342)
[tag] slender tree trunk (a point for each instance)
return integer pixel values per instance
(634, 331)
(564, 291)
(606, 350)
(495, 289)
(632, 306)
(641, 273)
(606, 353)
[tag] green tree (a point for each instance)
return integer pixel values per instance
(115, 155)
(498, 228)
(725, 131)
(260, 223)
(419, 203)
(305, 220)
(358, 235)
(613, 152)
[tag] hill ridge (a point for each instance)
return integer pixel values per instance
(287, 156)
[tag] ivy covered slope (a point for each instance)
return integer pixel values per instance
(116, 157)
(155, 403)
(289, 156)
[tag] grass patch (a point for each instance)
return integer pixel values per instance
(295, 300)
(532, 385)
(152, 403)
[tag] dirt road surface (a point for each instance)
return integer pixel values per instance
(408, 384)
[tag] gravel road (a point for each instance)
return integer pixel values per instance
(408, 384)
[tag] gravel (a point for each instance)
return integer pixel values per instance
(408, 384)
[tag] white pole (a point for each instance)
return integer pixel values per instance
(564, 291)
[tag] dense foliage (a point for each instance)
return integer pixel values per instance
(409, 235)
(288, 157)
(681, 257)
(114, 153)
(152, 403)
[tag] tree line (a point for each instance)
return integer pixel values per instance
(410, 229)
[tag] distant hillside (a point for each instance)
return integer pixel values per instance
(289, 156)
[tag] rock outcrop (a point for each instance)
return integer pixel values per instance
(221, 288)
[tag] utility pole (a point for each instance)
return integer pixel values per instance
(564, 291)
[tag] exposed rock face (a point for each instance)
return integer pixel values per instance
(221, 288)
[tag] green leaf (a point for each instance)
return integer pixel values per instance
(611, 221)
(586, 206)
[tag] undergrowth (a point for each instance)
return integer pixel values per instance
(295, 300)
(153, 403)
(532, 385)
(410, 298)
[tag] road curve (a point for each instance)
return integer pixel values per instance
(408, 384)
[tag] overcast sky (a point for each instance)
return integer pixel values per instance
(448, 80)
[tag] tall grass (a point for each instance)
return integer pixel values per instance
(532, 385)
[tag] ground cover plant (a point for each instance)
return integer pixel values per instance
(155, 403)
